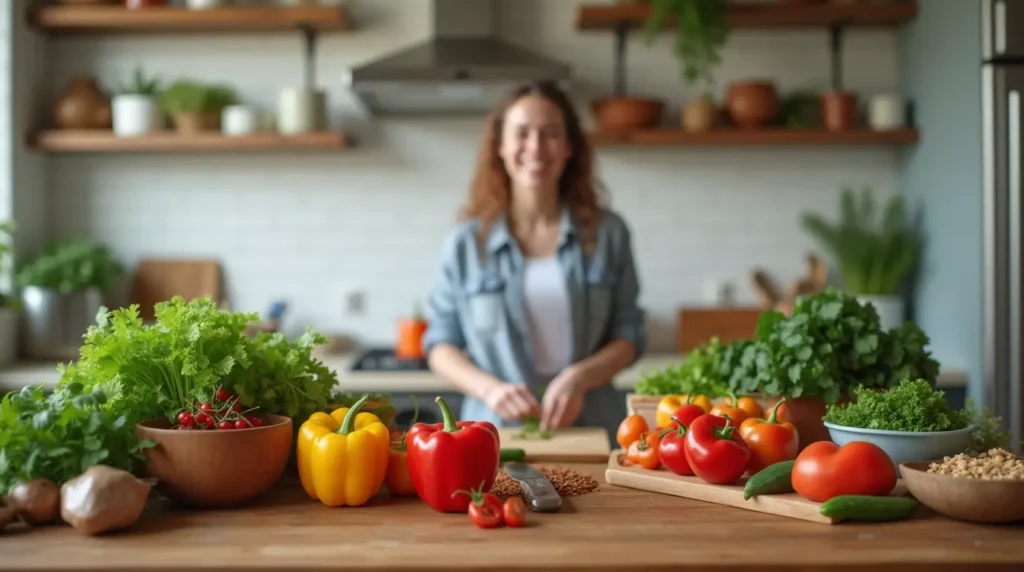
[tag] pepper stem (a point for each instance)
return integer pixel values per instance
(773, 418)
(643, 442)
(415, 417)
(348, 423)
(477, 494)
(734, 401)
(446, 415)
(689, 398)
(725, 432)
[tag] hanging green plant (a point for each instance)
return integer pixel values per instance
(701, 32)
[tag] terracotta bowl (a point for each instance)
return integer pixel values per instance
(617, 114)
(215, 469)
(752, 104)
(973, 500)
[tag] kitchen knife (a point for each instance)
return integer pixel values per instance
(540, 494)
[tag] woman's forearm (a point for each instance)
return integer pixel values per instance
(601, 367)
(450, 363)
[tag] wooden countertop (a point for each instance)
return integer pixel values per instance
(32, 373)
(611, 529)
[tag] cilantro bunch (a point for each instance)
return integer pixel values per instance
(911, 405)
(705, 371)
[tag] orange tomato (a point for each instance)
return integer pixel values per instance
(749, 405)
(630, 430)
(735, 414)
(396, 477)
(644, 451)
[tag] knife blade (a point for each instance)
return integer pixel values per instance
(540, 494)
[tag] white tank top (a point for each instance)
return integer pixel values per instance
(546, 299)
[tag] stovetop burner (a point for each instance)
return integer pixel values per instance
(384, 359)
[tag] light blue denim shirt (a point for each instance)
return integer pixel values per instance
(476, 304)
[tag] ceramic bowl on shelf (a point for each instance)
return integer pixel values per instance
(906, 446)
(212, 469)
(963, 498)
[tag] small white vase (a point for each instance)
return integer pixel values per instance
(300, 111)
(238, 120)
(886, 112)
(203, 4)
(889, 308)
(135, 115)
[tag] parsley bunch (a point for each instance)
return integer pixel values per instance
(705, 371)
(911, 405)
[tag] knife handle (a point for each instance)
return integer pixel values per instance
(541, 495)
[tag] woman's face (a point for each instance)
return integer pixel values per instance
(534, 145)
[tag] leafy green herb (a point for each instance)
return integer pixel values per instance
(59, 436)
(701, 32)
(909, 406)
(72, 266)
(530, 428)
(988, 432)
(379, 404)
(710, 369)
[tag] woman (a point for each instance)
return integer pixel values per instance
(536, 293)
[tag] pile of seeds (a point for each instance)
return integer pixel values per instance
(567, 482)
(992, 465)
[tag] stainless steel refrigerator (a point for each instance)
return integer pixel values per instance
(1002, 96)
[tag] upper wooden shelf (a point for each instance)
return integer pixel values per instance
(768, 137)
(116, 19)
(768, 15)
(104, 141)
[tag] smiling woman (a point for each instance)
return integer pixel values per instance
(534, 306)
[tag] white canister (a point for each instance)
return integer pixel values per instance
(134, 115)
(239, 120)
(203, 4)
(300, 111)
(886, 112)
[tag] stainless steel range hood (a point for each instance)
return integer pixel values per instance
(464, 69)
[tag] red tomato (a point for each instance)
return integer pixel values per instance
(223, 395)
(254, 420)
(485, 511)
(226, 425)
(241, 424)
(825, 470)
(514, 512)
(185, 419)
(206, 407)
(685, 415)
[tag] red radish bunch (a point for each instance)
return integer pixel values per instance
(223, 413)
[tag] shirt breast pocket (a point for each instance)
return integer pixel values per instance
(600, 298)
(484, 301)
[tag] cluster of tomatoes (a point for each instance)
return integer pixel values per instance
(221, 413)
(718, 444)
(487, 511)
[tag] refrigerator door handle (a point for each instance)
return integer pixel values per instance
(1013, 113)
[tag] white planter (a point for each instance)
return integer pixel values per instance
(203, 4)
(889, 308)
(300, 111)
(886, 112)
(239, 120)
(135, 115)
(8, 335)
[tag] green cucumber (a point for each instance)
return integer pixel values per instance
(771, 480)
(869, 508)
(507, 455)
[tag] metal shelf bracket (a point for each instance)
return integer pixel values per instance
(619, 72)
(836, 33)
(309, 35)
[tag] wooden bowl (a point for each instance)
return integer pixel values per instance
(215, 469)
(973, 500)
(619, 114)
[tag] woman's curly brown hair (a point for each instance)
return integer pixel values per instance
(491, 188)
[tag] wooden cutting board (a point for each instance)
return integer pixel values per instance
(790, 505)
(569, 445)
(158, 280)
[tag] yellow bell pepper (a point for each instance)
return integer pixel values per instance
(670, 403)
(343, 457)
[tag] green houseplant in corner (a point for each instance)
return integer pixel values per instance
(873, 258)
(135, 111)
(62, 292)
(195, 106)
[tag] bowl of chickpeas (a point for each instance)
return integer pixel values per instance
(984, 488)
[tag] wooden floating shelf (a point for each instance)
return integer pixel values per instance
(754, 137)
(768, 15)
(104, 141)
(120, 19)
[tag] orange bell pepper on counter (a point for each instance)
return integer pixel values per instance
(735, 414)
(670, 403)
(769, 440)
(343, 456)
(749, 405)
(397, 478)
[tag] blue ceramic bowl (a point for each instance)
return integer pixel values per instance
(906, 446)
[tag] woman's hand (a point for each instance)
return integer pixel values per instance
(512, 401)
(563, 399)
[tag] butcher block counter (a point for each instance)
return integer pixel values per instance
(610, 529)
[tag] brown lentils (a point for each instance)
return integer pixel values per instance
(567, 482)
(994, 464)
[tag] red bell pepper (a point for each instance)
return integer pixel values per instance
(451, 456)
(715, 450)
(672, 447)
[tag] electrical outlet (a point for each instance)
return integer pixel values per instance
(353, 302)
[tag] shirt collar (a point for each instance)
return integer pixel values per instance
(500, 236)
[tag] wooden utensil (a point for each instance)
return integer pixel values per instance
(159, 280)
(765, 289)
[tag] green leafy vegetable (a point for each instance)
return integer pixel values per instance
(707, 370)
(60, 435)
(72, 266)
(988, 432)
(909, 406)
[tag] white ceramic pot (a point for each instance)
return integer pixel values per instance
(203, 4)
(889, 308)
(237, 120)
(886, 112)
(8, 335)
(300, 111)
(135, 115)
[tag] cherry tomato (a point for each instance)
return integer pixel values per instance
(254, 420)
(241, 424)
(185, 419)
(206, 407)
(203, 419)
(630, 430)
(514, 512)
(226, 425)
(486, 514)
(237, 407)
(223, 395)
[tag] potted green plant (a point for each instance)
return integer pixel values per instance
(135, 111)
(61, 292)
(873, 259)
(195, 106)
(8, 303)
